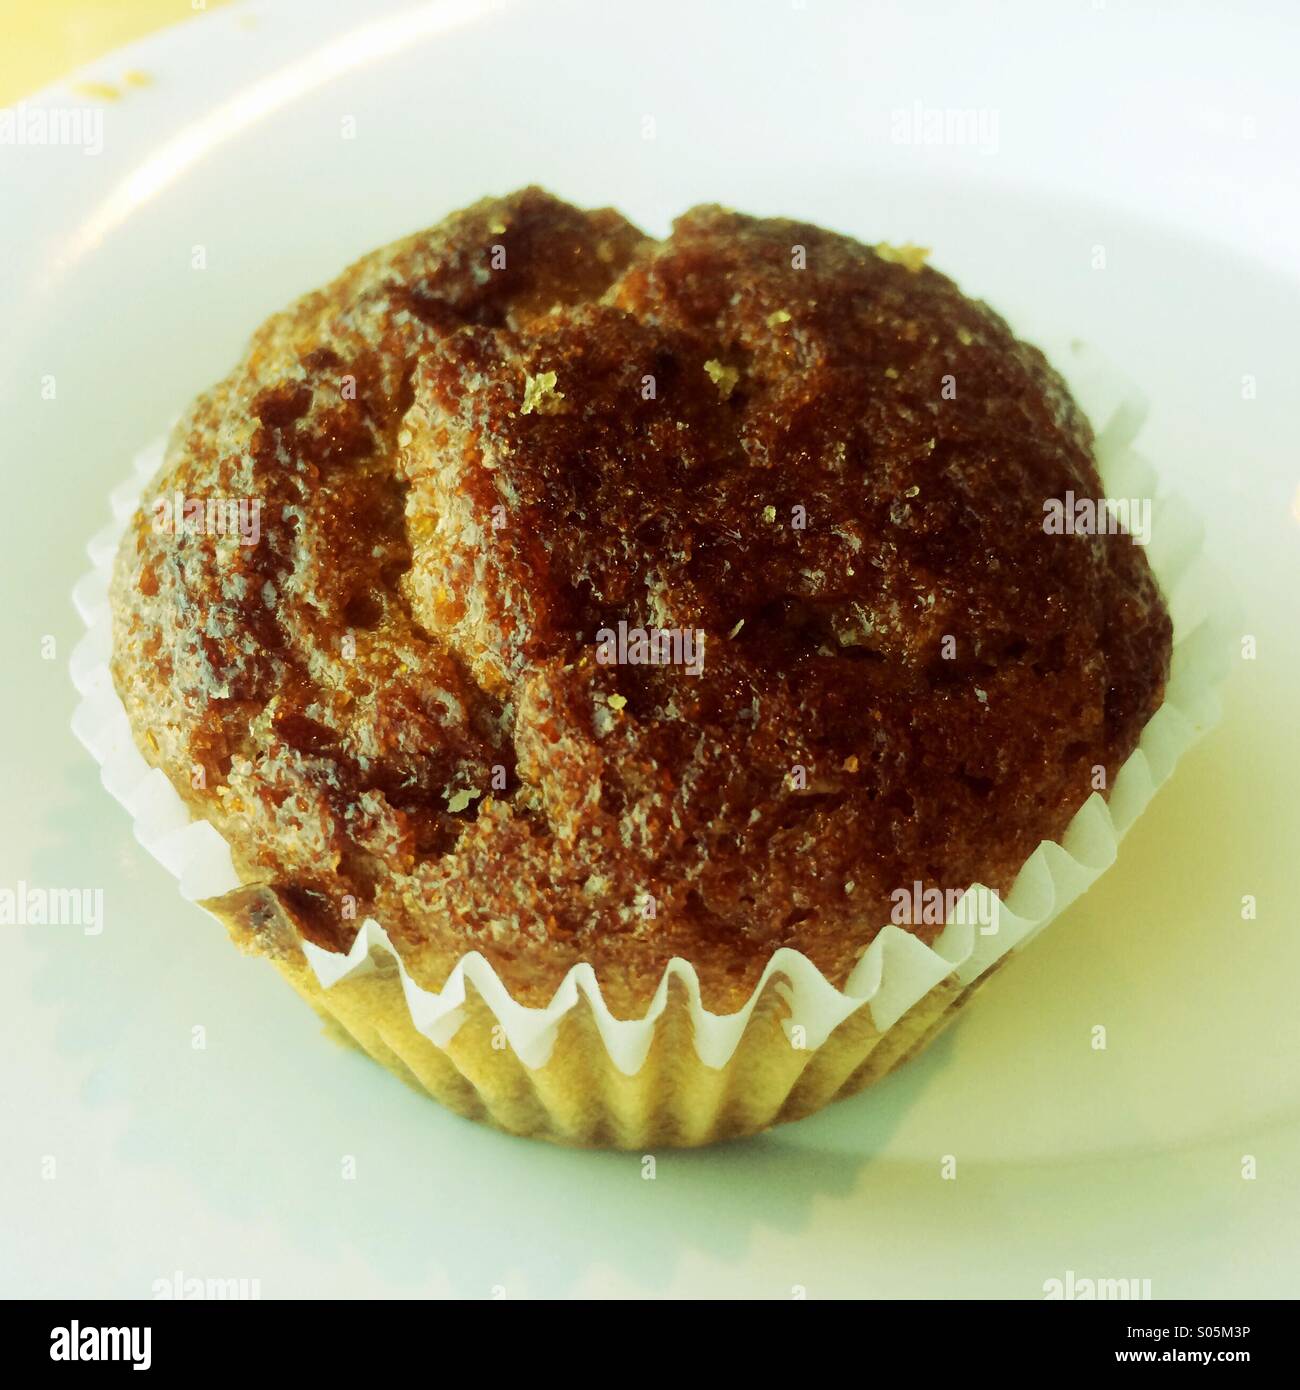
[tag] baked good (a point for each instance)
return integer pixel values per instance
(493, 458)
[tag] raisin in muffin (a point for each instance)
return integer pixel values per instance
(486, 458)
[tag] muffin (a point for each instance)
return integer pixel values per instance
(609, 603)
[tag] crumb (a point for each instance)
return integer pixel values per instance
(101, 91)
(912, 257)
(724, 378)
(540, 394)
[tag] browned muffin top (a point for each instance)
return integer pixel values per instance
(482, 449)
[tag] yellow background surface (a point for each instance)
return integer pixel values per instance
(46, 39)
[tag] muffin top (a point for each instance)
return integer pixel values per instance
(613, 599)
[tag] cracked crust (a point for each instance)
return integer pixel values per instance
(482, 445)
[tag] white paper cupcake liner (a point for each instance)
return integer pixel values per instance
(897, 969)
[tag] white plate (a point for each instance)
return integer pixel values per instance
(1169, 143)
